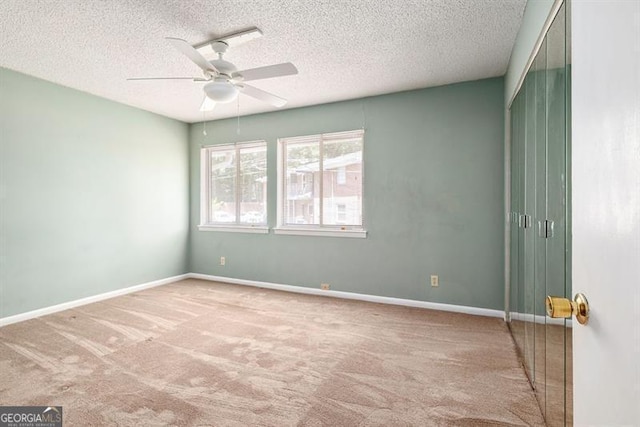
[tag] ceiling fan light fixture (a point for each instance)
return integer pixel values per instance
(221, 91)
(227, 81)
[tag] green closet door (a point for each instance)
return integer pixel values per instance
(539, 239)
(558, 408)
(540, 215)
(516, 302)
(527, 234)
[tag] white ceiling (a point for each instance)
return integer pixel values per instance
(343, 49)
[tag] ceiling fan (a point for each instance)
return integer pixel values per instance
(224, 81)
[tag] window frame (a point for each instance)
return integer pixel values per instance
(205, 190)
(327, 230)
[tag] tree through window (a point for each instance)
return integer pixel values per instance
(235, 184)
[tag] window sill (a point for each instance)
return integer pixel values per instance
(323, 232)
(259, 229)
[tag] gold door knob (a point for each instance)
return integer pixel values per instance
(558, 307)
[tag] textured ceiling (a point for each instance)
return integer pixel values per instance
(343, 49)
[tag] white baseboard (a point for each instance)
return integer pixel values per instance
(540, 319)
(288, 288)
(88, 300)
(350, 295)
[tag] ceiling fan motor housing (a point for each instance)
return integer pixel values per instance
(224, 67)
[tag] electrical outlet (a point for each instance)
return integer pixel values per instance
(325, 286)
(223, 260)
(434, 281)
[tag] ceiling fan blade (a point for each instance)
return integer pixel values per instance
(262, 95)
(192, 54)
(207, 104)
(195, 79)
(278, 70)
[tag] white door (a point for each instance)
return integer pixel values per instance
(606, 209)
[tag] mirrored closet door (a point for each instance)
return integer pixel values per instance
(539, 230)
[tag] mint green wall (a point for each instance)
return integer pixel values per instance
(433, 197)
(93, 195)
(535, 15)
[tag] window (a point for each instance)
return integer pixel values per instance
(341, 213)
(320, 184)
(342, 175)
(234, 187)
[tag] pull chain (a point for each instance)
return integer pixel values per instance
(204, 124)
(238, 114)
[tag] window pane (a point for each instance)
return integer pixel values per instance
(301, 205)
(342, 181)
(253, 185)
(223, 178)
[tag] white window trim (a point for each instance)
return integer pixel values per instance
(205, 182)
(241, 228)
(318, 230)
(325, 232)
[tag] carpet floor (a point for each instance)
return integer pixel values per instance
(197, 353)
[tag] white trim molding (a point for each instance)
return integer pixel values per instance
(88, 300)
(354, 296)
(326, 232)
(4, 321)
(539, 319)
(235, 228)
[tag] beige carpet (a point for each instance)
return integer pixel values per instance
(201, 353)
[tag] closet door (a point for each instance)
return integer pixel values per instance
(557, 335)
(539, 216)
(516, 303)
(527, 234)
(540, 250)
